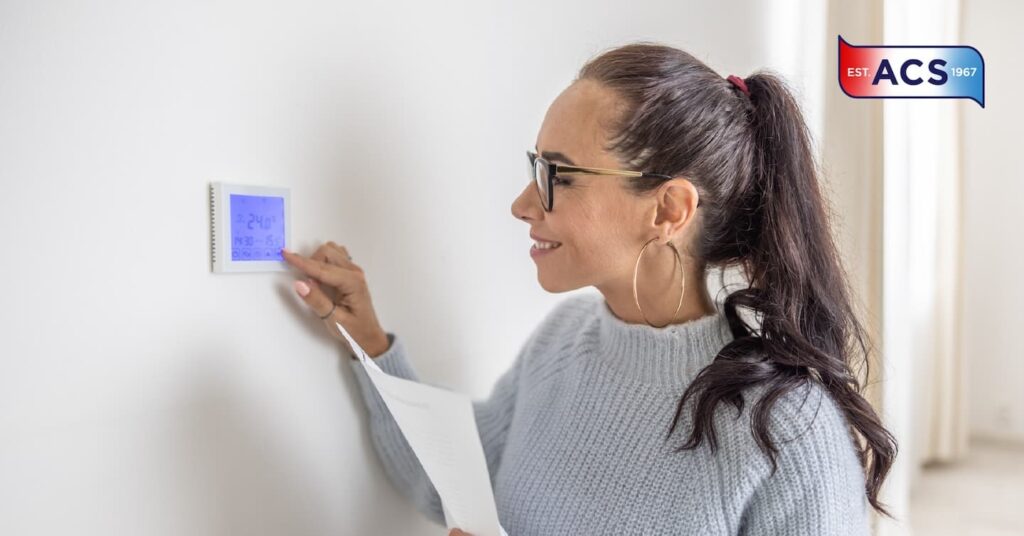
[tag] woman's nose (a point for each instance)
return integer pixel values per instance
(527, 204)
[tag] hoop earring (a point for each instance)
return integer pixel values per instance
(682, 278)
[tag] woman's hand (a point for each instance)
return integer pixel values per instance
(335, 281)
(457, 532)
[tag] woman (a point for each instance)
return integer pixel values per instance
(652, 168)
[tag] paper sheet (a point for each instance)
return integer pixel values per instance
(441, 429)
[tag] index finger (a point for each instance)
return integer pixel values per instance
(311, 267)
(319, 270)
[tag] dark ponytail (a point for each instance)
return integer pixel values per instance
(751, 160)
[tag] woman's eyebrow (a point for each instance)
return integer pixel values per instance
(555, 155)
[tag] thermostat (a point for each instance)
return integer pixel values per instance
(248, 227)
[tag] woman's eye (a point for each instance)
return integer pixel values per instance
(559, 180)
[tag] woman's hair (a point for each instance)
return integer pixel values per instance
(751, 161)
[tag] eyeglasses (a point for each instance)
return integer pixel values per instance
(544, 173)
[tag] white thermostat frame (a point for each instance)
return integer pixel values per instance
(220, 227)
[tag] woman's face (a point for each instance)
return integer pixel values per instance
(600, 225)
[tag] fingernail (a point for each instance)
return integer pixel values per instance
(286, 250)
(302, 288)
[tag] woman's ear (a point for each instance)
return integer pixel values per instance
(676, 205)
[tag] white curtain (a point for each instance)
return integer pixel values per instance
(922, 143)
(923, 379)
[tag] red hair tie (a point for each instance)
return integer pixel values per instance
(738, 82)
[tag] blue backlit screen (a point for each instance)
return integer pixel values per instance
(257, 228)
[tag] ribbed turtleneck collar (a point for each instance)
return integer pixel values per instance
(670, 356)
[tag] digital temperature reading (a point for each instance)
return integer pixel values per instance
(257, 228)
(249, 226)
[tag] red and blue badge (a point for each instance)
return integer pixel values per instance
(912, 72)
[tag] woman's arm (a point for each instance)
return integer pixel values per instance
(819, 485)
(493, 417)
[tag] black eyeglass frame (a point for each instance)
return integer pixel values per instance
(565, 169)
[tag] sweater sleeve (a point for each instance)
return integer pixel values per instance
(818, 487)
(493, 416)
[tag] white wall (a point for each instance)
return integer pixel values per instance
(993, 193)
(142, 394)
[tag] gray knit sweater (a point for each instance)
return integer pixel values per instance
(573, 434)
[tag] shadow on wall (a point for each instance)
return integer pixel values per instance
(235, 471)
(238, 476)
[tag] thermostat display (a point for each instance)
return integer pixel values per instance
(257, 227)
(250, 225)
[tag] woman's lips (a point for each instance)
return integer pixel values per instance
(537, 252)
